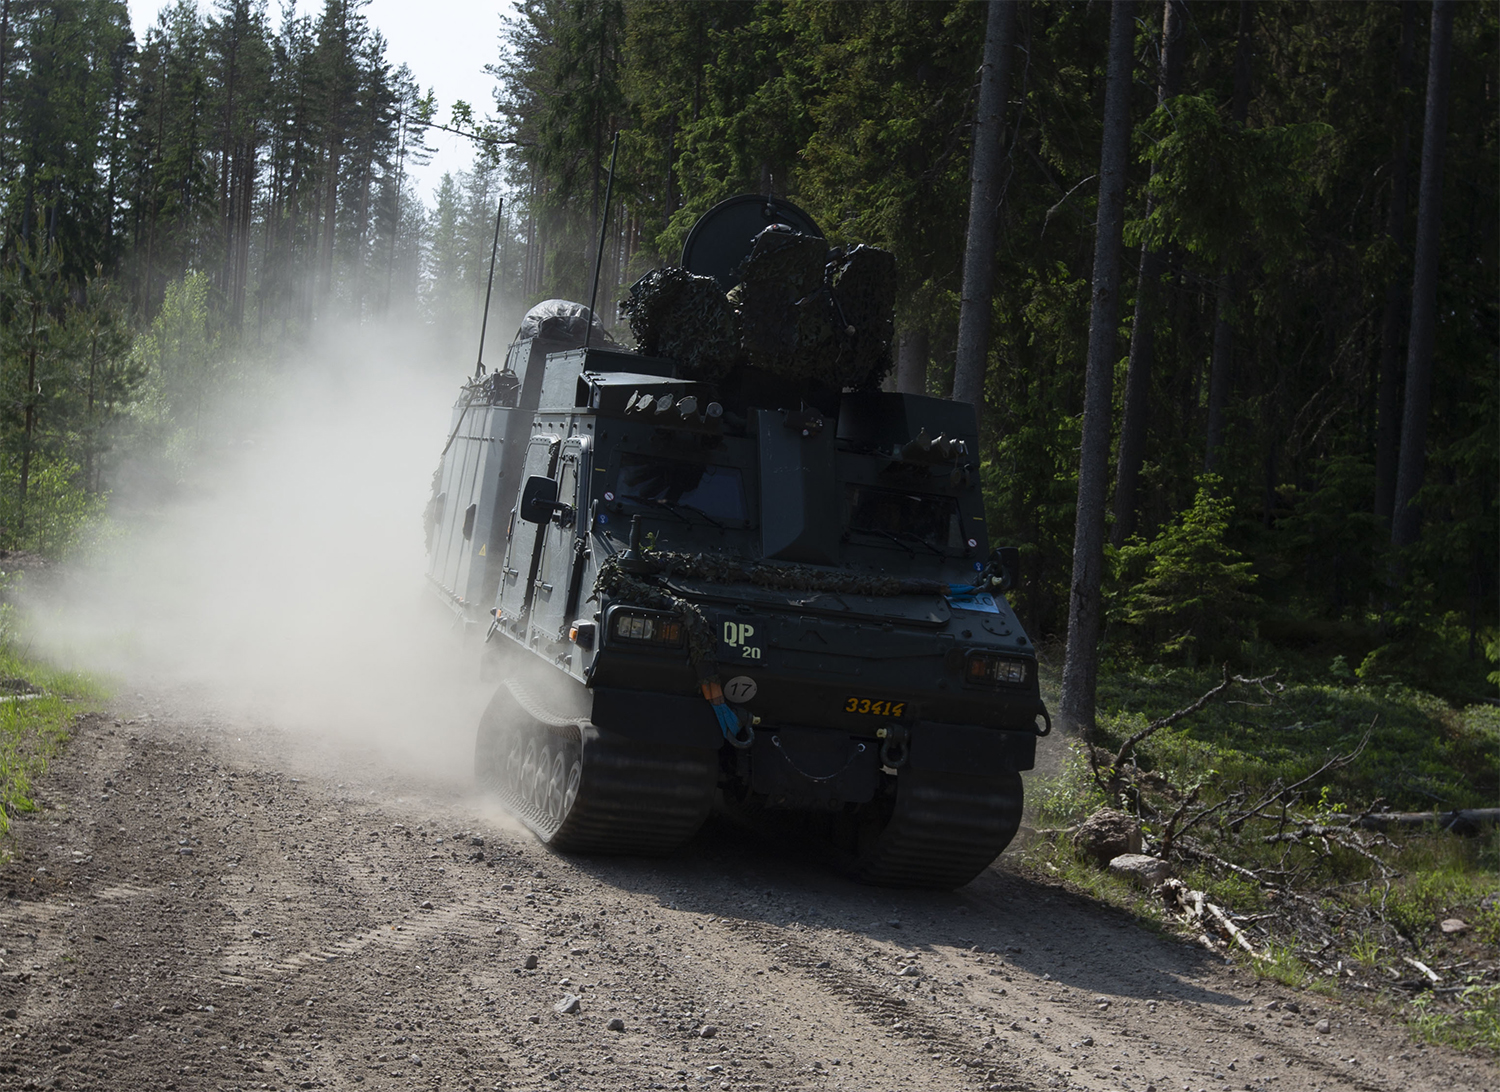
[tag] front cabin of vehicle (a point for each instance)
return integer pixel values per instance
(882, 487)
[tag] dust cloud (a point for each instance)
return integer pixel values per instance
(283, 583)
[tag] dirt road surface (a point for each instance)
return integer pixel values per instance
(201, 904)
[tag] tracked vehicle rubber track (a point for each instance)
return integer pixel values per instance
(737, 574)
(944, 829)
(585, 790)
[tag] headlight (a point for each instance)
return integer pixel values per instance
(639, 627)
(988, 669)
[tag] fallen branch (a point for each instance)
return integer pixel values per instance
(1189, 850)
(1467, 821)
(1236, 934)
(1432, 975)
(1327, 834)
(1110, 781)
(1283, 794)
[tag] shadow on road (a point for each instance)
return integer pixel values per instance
(1039, 929)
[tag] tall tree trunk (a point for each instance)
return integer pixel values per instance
(1392, 326)
(90, 437)
(1224, 310)
(1143, 328)
(1081, 667)
(912, 354)
(1218, 372)
(330, 221)
(29, 425)
(4, 67)
(1406, 517)
(984, 210)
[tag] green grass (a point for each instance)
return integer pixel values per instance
(1359, 923)
(32, 730)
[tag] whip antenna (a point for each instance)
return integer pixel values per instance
(609, 190)
(490, 284)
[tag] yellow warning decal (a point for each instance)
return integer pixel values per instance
(483, 548)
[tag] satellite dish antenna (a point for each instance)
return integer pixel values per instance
(721, 238)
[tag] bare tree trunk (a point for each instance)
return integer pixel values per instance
(29, 425)
(1406, 518)
(1388, 403)
(1219, 368)
(4, 66)
(1143, 328)
(984, 208)
(330, 219)
(912, 354)
(1218, 372)
(91, 436)
(1081, 667)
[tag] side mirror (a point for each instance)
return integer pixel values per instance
(539, 501)
(1005, 568)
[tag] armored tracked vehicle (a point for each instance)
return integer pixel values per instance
(725, 568)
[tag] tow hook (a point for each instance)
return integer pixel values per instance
(895, 750)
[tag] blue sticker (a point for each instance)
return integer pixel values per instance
(603, 519)
(979, 566)
(982, 601)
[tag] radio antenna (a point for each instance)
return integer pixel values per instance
(609, 190)
(489, 285)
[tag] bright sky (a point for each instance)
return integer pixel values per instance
(445, 43)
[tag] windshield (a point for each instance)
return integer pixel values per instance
(916, 517)
(716, 491)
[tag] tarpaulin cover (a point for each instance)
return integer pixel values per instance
(562, 320)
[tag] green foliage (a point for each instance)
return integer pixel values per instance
(1185, 593)
(60, 517)
(1221, 188)
(181, 356)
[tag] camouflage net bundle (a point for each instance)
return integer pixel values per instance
(728, 569)
(676, 314)
(786, 322)
(864, 289)
(799, 312)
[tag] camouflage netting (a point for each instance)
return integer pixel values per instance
(728, 569)
(864, 286)
(785, 318)
(676, 314)
(614, 582)
(799, 311)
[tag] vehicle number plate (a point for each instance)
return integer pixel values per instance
(875, 707)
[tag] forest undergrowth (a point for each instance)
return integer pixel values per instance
(38, 704)
(1282, 804)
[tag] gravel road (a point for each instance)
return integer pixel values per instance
(197, 906)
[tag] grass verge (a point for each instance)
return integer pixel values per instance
(37, 706)
(1406, 922)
